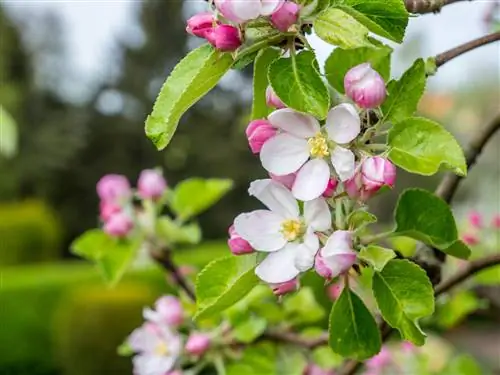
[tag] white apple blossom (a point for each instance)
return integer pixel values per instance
(239, 11)
(282, 231)
(304, 147)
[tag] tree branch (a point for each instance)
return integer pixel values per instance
(444, 57)
(428, 6)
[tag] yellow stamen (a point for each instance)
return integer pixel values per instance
(318, 146)
(161, 349)
(291, 229)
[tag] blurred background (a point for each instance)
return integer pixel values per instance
(79, 77)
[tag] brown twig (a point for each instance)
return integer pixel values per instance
(428, 6)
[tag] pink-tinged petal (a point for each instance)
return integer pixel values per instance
(299, 124)
(284, 154)
(270, 6)
(226, 9)
(306, 251)
(246, 10)
(262, 229)
(286, 287)
(343, 123)
(312, 180)
(339, 242)
(279, 267)
(287, 180)
(276, 197)
(344, 163)
(317, 215)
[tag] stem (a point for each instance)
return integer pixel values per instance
(428, 6)
(293, 338)
(376, 237)
(444, 57)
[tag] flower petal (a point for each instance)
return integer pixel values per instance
(306, 251)
(340, 242)
(276, 197)
(262, 229)
(312, 180)
(270, 6)
(298, 124)
(343, 161)
(246, 10)
(284, 154)
(343, 123)
(317, 215)
(279, 266)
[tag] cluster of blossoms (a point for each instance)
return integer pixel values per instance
(223, 28)
(158, 344)
(476, 227)
(116, 207)
(313, 169)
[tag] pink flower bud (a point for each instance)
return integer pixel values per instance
(151, 184)
(169, 310)
(475, 219)
(496, 222)
(337, 257)
(113, 187)
(238, 245)
(201, 24)
(470, 239)
(118, 225)
(197, 344)
(286, 180)
(330, 188)
(381, 360)
(258, 132)
(285, 16)
(224, 38)
(334, 290)
(377, 172)
(313, 369)
(365, 86)
(107, 209)
(273, 100)
(286, 287)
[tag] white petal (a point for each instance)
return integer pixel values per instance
(276, 197)
(279, 266)
(284, 154)
(317, 214)
(312, 180)
(339, 242)
(246, 10)
(305, 253)
(343, 123)
(299, 124)
(343, 161)
(262, 229)
(270, 6)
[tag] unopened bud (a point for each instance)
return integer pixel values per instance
(225, 38)
(365, 86)
(107, 209)
(475, 219)
(238, 245)
(258, 132)
(118, 225)
(201, 24)
(286, 287)
(337, 257)
(470, 239)
(197, 344)
(285, 16)
(151, 184)
(239, 11)
(330, 188)
(113, 187)
(377, 172)
(273, 100)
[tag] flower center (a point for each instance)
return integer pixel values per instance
(161, 349)
(291, 229)
(318, 146)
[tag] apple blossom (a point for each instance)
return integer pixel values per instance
(282, 231)
(475, 219)
(496, 222)
(337, 256)
(286, 287)
(239, 11)
(238, 245)
(273, 100)
(285, 16)
(168, 311)
(287, 179)
(365, 86)
(258, 132)
(201, 24)
(470, 239)
(197, 344)
(373, 173)
(334, 290)
(118, 225)
(151, 184)
(113, 188)
(304, 147)
(157, 347)
(381, 360)
(330, 188)
(107, 209)
(225, 38)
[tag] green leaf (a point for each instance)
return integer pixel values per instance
(421, 215)
(387, 18)
(8, 134)
(463, 365)
(173, 233)
(360, 219)
(490, 276)
(404, 294)
(458, 249)
(302, 308)
(193, 196)
(337, 27)
(456, 308)
(376, 256)
(353, 330)
(291, 361)
(422, 146)
(404, 95)
(251, 328)
(325, 358)
(223, 282)
(260, 82)
(342, 60)
(190, 80)
(111, 255)
(297, 82)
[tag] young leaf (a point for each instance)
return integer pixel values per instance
(387, 18)
(422, 146)
(111, 255)
(193, 196)
(404, 95)
(260, 82)
(337, 27)
(8, 134)
(376, 256)
(191, 79)
(360, 219)
(297, 82)
(342, 60)
(457, 307)
(251, 328)
(404, 294)
(421, 215)
(353, 330)
(458, 249)
(224, 282)
(173, 233)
